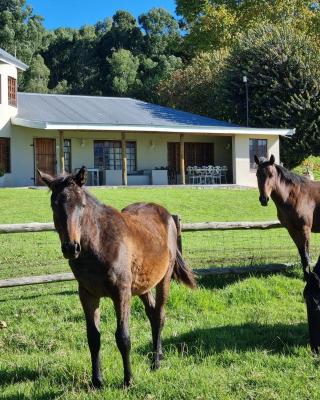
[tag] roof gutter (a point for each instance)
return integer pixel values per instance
(187, 129)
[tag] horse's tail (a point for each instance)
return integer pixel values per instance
(181, 272)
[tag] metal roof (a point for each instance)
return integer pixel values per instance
(9, 59)
(68, 112)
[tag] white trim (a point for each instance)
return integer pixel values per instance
(225, 130)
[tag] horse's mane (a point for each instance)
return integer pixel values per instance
(290, 177)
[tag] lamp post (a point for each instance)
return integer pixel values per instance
(245, 81)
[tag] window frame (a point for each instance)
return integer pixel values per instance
(69, 153)
(252, 163)
(12, 91)
(7, 154)
(116, 161)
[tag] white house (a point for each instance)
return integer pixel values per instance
(121, 140)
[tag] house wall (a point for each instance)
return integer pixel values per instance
(242, 174)
(6, 111)
(151, 150)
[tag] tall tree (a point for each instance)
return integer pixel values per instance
(194, 87)
(162, 35)
(212, 24)
(123, 71)
(36, 78)
(21, 32)
(282, 68)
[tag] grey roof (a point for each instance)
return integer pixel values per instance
(110, 111)
(9, 59)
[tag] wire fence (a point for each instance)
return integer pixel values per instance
(38, 253)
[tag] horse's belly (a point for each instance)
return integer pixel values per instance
(147, 275)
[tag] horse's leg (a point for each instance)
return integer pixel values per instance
(162, 292)
(302, 240)
(91, 310)
(149, 304)
(122, 308)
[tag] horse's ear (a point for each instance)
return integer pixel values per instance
(256, 159)
(80, 177)
(46, 178)
(272, 159)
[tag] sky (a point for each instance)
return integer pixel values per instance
(75, 13)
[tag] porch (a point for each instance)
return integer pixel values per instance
(144, 159)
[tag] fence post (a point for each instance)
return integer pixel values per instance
(177, 221)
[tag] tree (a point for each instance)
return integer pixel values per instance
(162, 34)
(284, 86)
(21, 32)
(212, 24)
(123, 71)
(194, 87)
(36, 78)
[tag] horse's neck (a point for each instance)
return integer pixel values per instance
(92, 213)
(97, 221)
(281, 194)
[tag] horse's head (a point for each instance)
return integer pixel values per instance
(68, 201)
(266, 175)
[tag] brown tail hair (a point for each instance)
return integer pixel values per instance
(182, 273)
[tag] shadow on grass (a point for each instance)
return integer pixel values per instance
(34, 396)
(222, 281)
(19, 374)
(278, 338)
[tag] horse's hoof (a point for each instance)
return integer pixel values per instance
(155, 365)
(127, 382)
(97, 383)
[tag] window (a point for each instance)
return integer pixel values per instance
(107, 155)
(12, 91)
(257, 147)
(67, 155)
(5, 154)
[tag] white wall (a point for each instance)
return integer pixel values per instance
(6, 111)
(242, 174)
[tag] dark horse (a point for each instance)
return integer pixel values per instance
(118, 255)
(298, 207)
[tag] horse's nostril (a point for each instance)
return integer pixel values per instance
(77, 247)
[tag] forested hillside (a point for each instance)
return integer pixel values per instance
(195, 61)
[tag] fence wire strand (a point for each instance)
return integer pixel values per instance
(38, 253)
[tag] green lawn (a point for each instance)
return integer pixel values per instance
(233, 338)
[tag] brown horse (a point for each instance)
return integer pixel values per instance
(118, 255)
(298, 206)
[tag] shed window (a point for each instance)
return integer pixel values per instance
(12, 91)
(5, 154)
(257, 147)
(107, 155)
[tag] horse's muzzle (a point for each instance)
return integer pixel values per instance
(264, 200)
(71, 250)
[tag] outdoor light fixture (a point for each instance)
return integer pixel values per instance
(245, 81)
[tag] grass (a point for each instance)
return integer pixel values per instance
(233, 338)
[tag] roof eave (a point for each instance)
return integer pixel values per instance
(19, 65)
(150, 128)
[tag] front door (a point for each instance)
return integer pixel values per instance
(45, 157)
